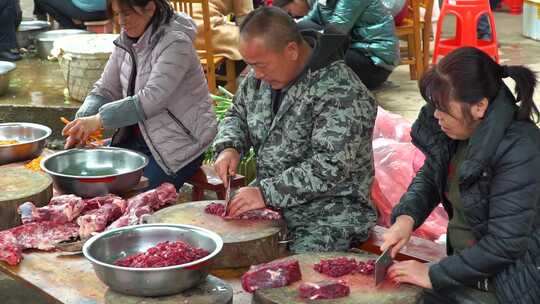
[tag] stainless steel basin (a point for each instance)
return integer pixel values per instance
(28, 30)
(95, 172)
(5, 69)
(31, 141)
(104, 249)
(45, 40)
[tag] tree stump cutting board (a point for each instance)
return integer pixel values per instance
(245, 242)
(19, 185)
(363, 290)
(212, 291)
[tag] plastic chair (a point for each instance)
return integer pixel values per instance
(515, 7)
(467, 13)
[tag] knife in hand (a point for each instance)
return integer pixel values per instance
(381, 266)
(228, 194)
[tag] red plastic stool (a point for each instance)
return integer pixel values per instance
(467, 13)
(206, 179)
(515, 6)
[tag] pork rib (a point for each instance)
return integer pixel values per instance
(61, 209)
(146, 203)
(40, 235)
(96, 220)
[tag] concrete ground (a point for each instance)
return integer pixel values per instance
(400, 96)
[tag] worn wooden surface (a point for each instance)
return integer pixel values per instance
(245, 242)
(213, 290)
(71, 279)
(363, 290)
(19, 185)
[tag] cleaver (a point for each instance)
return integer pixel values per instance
(381, 266)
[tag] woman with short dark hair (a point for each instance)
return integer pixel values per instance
(482, 150)
(153, 91)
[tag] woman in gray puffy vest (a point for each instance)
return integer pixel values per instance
(153, 91)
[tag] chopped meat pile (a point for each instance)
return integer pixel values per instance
(164, 254)
(42, 235)
(342, 266)
(258, 214)
(215, 209)
(271, 275)
(323, 290)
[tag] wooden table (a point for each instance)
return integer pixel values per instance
(71, 279)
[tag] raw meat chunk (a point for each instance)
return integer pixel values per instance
(271, 275)
(146, 203)
(323, 290)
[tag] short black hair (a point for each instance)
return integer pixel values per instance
(272, 24)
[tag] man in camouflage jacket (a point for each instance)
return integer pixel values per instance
(310, 121)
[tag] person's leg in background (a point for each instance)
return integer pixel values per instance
(65, 12)
(483, 31)
(156, 176)
(370, 74)
(10, 18)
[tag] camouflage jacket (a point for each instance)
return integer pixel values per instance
(314, 157)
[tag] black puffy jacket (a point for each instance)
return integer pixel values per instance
(499, 184)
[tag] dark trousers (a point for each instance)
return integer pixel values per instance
(10, 18)
(156, 176)
(64, 11)
(371, 75)
(484, 29)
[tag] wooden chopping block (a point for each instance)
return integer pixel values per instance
(363, 290)
(212, 291)
(19, 185)
(245, 242)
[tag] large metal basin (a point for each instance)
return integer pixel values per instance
(45, 40)
(104, 249)
(31, 137)
(95, 172)
(28, 30)
(5, 69)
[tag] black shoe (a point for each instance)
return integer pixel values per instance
(9, 56)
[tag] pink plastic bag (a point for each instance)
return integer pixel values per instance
(391, 126)
(396, 162)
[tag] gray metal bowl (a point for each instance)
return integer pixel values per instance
(5, 69)
(31, 137)
(45, 40)
(104, 249)
(95, 172)
(28, 30)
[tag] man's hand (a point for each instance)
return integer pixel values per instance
(226, 164)
(412, 272)
(398, 235)
(79, 130)
(245, 199)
